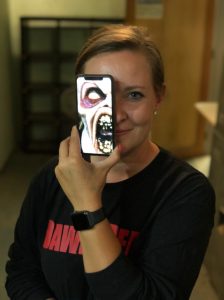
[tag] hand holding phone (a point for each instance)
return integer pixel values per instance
(95, 107)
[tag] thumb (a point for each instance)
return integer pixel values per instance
(109, 162)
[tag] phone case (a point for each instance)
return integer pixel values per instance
(95, 108)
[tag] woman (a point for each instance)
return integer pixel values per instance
(134, 225)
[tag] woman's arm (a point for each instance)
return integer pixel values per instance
(83, 182)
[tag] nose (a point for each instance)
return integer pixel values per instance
(121, 113)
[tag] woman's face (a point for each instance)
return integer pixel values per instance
(135, 97)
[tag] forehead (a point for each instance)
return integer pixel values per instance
(126, 64)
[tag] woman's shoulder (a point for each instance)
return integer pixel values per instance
(170, 163)
(184, 179)
(173, 178)
(167, 171)
(46, 174)
(49, 166)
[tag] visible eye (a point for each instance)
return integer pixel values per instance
(135, 95)
(92, 96)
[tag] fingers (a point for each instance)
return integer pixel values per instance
(109, 162)
(64, 149)
(70, 146)
(74, 145)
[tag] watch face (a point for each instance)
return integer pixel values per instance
(81, 221)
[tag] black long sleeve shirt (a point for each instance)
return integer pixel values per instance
(163, 217)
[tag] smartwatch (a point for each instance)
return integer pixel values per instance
(83, 220)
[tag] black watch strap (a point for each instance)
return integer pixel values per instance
(83, 220)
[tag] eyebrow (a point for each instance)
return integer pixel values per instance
(133, 87)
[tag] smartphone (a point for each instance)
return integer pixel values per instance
(95, 108)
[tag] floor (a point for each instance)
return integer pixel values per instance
(13, 183)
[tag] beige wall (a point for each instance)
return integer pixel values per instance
(65, 8)
(6, 126)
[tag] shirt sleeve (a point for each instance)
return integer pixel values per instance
(169, 253)
(25, 279)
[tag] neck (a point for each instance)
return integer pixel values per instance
(132, 163)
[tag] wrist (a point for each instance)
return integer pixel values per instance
(84, 220)
(90, 203)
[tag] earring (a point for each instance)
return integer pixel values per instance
(155, 112)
